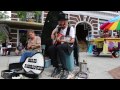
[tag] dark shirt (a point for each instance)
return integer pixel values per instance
(4, 44)
(119, 45)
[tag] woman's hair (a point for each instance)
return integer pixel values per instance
(30, 31)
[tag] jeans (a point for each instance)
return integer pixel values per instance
(26, 54)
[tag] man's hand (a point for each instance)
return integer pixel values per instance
(58, 38)
(52, 36)
(62, 41)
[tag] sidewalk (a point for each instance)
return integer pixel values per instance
(14, 59)
(98, 66)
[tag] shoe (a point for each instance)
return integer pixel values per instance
(59, 75)
(55, 72)
(70, 76)
(64, 75)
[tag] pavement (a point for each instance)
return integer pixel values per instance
(98, 66)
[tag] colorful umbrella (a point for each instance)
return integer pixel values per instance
(104, 25)
(113, 24)
(115, 19)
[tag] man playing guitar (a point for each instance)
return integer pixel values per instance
(64, 37)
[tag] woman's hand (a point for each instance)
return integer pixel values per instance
(32, 47)
(28, 47)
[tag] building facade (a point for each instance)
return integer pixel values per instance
(93, 18)
(17, 35)
(87, 22)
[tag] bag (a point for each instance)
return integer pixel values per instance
(6, 74)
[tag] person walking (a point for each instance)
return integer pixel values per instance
(4, 48)
(9, 48)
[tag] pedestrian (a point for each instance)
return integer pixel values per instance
(4, 48)
(19, 49)
(9, 48)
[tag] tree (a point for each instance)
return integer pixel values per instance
(3, 15)
(50, 23)
(2, 34)
(2, 37)
(22, 14)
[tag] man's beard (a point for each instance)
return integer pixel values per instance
(62, 27)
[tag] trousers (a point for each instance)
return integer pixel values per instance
(57, 55)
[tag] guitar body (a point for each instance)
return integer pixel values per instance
(34, 64)
(55, 42)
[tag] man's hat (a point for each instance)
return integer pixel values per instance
(63, 16)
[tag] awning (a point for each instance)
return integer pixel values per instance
(22, 24)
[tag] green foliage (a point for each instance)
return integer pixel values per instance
(38, 12)
(3, 15)
(2, 37)
(22, 14)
